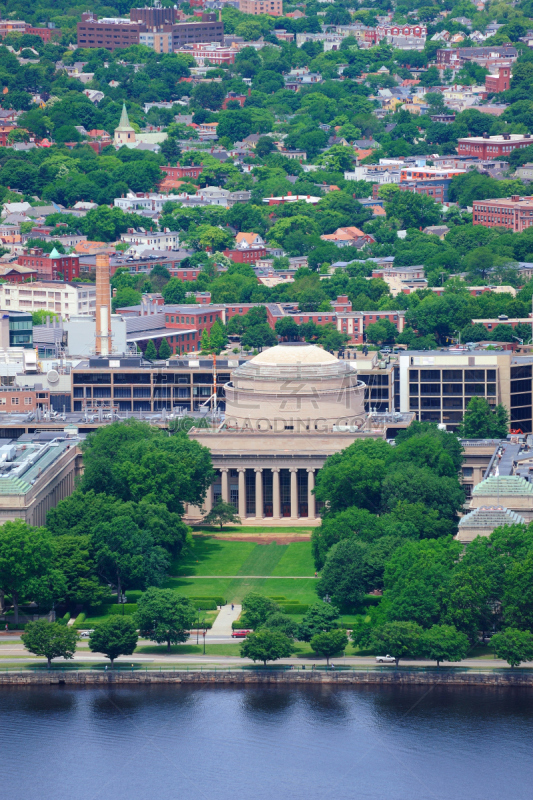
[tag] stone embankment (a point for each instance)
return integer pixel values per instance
(442, 677)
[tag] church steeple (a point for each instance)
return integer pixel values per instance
(124, 133)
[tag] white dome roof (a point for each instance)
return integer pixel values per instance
(293, 353)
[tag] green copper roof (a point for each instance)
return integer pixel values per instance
(490, 517)
(55, 254)
(504, 485)
(124, 124)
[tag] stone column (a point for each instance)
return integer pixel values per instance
(242, 493)
(276, 511)
(225, 485)
(208, 505)
(259, 509)
(311, 506)
(294, 492)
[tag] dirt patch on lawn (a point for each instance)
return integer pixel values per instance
(265, 538)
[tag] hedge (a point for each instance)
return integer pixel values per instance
(294, 608)
(219, 601)
(121, 608)
(133, 595)
(204, 605)
(80, 619)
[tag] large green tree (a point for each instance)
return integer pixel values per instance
(26, 558)
(398, 639)
(329, 643)
(115, 636)
(513, 645)
(50, 639)
(265, 645)
(482, 421)
(444, 643)
(164, 616)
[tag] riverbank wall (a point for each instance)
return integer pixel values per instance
(442, 677)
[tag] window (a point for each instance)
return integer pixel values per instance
(14, 401)
(27, 401)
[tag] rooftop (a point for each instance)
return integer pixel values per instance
(505, 485)
(490, 517)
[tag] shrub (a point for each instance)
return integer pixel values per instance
(133, 595)
(294, 608)
(124, 609)
(204, 605)
(80, 619)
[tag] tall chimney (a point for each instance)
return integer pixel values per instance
(103, 306)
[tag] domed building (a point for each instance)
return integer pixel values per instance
(287, 410)
(294, 386)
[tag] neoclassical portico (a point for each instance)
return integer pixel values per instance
(272, 493)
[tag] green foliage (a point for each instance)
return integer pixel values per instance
(266, 645)
(256, 609)
(319, 617)
(513, 645)
(329, 643)
(50, 639)
(222, 513)
(398, 639)
(444, 643)
(164, 616)
(482, 421)
(150, 353)
(116, 636)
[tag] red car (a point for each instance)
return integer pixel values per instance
(240, 634)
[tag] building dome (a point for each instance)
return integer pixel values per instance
(292, 354)
(294, 386)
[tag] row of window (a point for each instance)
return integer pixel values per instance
(455, 374)
(452, 388)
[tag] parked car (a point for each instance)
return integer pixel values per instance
(385, 659)
(86, 634)
(240, 634)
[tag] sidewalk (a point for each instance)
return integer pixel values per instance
(222, 624)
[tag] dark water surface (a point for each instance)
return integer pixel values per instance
(216, 743)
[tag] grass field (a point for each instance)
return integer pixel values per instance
(234, 589)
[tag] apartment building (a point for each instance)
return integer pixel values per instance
(485, 147)
(119, 32)
(515, 213)
(484, 56)
(438, 385)
(500, 81)
(64, 299)
(273, 8)
(166, 240)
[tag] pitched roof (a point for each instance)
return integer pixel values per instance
(342, 234)
(246, 237)
(504, 485)
(124, 124)
(490, 517)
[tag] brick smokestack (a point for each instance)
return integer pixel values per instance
(103, 306)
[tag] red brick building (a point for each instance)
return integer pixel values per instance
(485, 147)
(500, 82)
(436, 189)
(180, 173)
(246, 256)
(515, 213)
(53, 266)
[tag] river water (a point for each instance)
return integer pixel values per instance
(263, 743)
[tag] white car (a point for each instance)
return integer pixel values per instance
(86, 634)
(385, 659)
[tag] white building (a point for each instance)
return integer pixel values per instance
(64, 299)
(167, 240)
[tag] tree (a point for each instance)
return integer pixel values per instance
(217, 337)
(174, 292)
(319, 617)
(282, 622)
(205, 341)
(150, 353)
(513, 645)
(209, 95)
(221, 513)
(413, 210)
(127, 555)
(116, 636)
(256, 608)
(147, 466)
(164, 350)
(265, 645)
(399, 639)
(50, 639)
(328, 643)
(287, 328)
(444, 643)
(165, 616)
(26, 555)
(482, 421)
(343, 574)
(354, 476)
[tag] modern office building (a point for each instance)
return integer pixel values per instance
(437, 385)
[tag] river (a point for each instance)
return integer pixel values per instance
(266, 743)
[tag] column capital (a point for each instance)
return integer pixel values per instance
(258, 469)
(275, 469)
(241, 469)
(224, 469)
(311, 469)
(294, 469)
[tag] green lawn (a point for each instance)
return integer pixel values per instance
(234, 589)
(229, 649)
(218, 557)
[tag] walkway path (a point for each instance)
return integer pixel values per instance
(222, 624)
